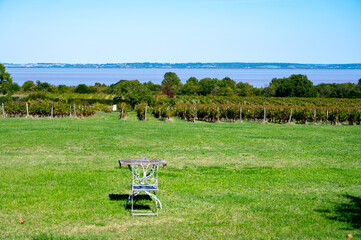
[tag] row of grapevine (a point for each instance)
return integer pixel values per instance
(46, 108)
(98, 107)
(276, 114)
(122, 107)
(270, 101)
(163, 112)
(142, 111)
(186, 112)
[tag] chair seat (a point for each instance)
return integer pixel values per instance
(144, 187)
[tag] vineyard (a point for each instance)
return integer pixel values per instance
(237, 112)
(270, 101)
(272, 110)
(46, 108)
(77, 98)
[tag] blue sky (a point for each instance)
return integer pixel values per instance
(87, 31)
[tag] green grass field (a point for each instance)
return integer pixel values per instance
(223, 180)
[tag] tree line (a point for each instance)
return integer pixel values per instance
(134, 92)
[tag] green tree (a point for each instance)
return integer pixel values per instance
(6, 82)
(244, 89)
(344, 90)
(227, 82)
(92, 89)
(191, 87)
(171, 84)
(40, 86)
(15, 87)
(172, 79)
(193, 81)
(226, 87)
(63, 88)
(101, 87)
(295, 86)
(208, 86)
(154, 88)
(28, 86)
(132, 92)
(270, 91)
(82, 88)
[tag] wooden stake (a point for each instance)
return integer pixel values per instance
(74, 111)
(3, 110)
(145, 113)
(289, 120)
(122, 117)
(27, 110)
(240, 114)
(314, 116)
(185, 113)
(264, 115)
(52, 111)
(337, 118)
(327, 117)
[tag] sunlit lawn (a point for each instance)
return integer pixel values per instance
(223, 180)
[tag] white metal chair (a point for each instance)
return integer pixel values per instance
(145, 179)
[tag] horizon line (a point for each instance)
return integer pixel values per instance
(299, 63)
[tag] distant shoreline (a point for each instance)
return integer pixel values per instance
(230, 65)
(255, 77)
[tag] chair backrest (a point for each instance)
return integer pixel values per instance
(144, 172)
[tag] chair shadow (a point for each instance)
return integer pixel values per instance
(348, 211)
(124, 197)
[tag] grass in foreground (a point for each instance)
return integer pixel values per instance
(222, 181)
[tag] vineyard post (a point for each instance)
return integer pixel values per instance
(337, 118)
(168, 112)
(289, 120)
(240, 114)
(3, 110)
(52, 111)
(264, 115)
(327, 116)
(217, 114)
(314, 116)
(74, 111)
(226, 115)
(194, 116)
(122, 112)
(27, 110)
(185, 113)
(145, 112)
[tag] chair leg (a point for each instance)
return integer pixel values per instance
(156, 204)
(132, 206)
(130, 197)
(152, 195)
(155, 198)
(128, 200)
(160, 204)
